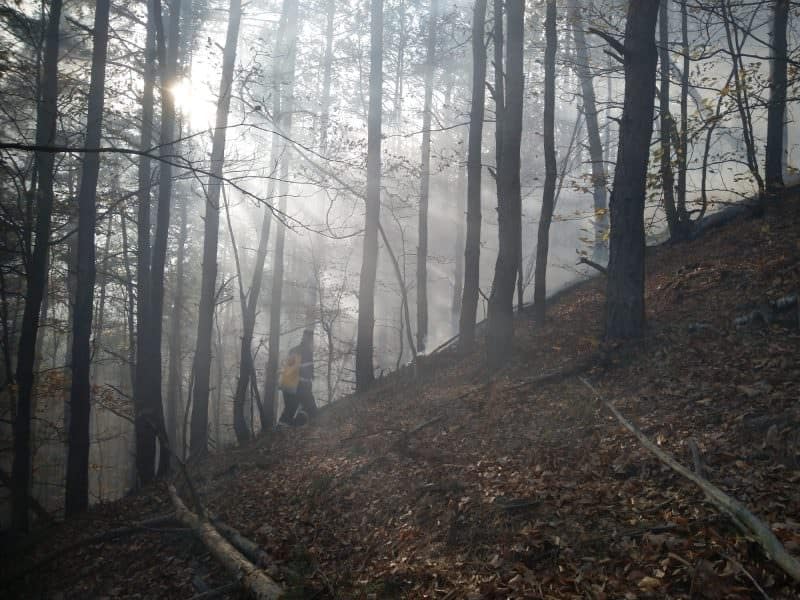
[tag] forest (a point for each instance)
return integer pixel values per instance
(194, 191)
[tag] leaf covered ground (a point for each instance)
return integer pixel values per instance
(453, 485)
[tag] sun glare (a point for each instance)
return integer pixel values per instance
(194, 103)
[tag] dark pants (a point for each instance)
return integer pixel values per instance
(292, 401)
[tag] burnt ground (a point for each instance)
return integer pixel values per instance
(449, 486)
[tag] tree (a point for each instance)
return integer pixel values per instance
(36, 275)
(589, 103)
(150, 415)
(425, 169)
(145, 436)
(472, 250)
(77, 490)
(365, 374)
(202, 359)
(283, 109)
(665, 122)
(549, 192)
(776, 109)
(509, 198)
(625, 285)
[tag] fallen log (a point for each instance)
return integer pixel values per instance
(737, 511)
(256, 583)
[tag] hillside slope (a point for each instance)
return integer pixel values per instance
(448, 486)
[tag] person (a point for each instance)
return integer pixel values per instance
(296, 383)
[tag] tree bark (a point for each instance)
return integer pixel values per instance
(365, 373)
(77, 484)
(175, 371)
(145, 436)
(36, 277)
(683, 138)
(625, 285)
(283, 70)
(202, 360)
(150, 414)
(325, 118)
(253, 579)
(246, 365)
(741, 95)
(776, 109)
(599, 177)
(425, 169)
(472, 250)
(548, 195)
(509, 201)
(665, 122)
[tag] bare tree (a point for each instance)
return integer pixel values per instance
(472, 251)
(283, 108)
(202, 359)
(776, 109)
(549, 192)
(625, 285)
(365, 374)
(589, 103)
(77, 485)
(425, 169)
(36, 275)
(509, 198)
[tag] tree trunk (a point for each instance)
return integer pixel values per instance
(145, 436)
(325, 119)
(472, 250)
(176, 338)
(283, 71)
(740, 93)
(365, 373)
(77, 484)
(509, 201)
(273, 352)
(458, 270)
(665, 122)
(202, 359)
(150, 414)
(599, 177)
(246, 365)
(773, 167)
(257, 584)
(130, 297)
(625, 285)
(425, 169)
(683, 138)
(548, 195)
(169, 74)
(36, 276)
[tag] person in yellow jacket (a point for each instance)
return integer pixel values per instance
(295, 382)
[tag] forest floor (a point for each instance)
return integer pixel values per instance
(447, 486)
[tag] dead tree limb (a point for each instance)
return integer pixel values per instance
(611, 40)
(730, 506)
(583, 260)
(252, 579)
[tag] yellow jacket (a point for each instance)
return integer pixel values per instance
(290, 373)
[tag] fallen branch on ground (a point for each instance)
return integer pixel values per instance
(730, 506)
(252, 579)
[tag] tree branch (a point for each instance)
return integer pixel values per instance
(737, 511)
